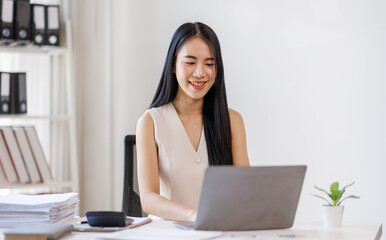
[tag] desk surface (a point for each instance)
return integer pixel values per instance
(162, 229)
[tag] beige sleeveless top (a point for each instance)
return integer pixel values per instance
(181, 167)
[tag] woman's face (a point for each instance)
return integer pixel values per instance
(195, 68)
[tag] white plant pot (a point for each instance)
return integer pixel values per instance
(332, 216)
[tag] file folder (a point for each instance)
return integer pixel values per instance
(38, 24)
(18, 93)
(6, 161)
(6, 20)
(38, 154)
(53, 25)
(23, 21)
(5, 93)
(3, 178)
(27, 155)
(15, 154)
(41, 231)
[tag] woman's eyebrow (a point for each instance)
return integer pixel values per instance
(190, 56)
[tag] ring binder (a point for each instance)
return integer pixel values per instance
(38, 24)
(15, 154)
(6, 20)
(52, 31)
(23, 21)
(5, 93)
(19, 93)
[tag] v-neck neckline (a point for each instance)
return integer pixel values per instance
(186, 134)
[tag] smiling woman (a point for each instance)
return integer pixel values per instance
(188, 126)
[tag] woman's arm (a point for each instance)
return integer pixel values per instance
(148, 177)
(239, 140)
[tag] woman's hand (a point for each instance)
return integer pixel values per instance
(193, 215)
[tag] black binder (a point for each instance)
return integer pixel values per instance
(38, 22)
(5, 93)
(18, 93)
(6, 20)
(23, 21)
(53, 25)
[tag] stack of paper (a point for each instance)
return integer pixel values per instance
(17, 208)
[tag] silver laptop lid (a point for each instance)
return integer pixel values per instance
(249, 198)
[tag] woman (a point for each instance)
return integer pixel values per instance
(187, 127)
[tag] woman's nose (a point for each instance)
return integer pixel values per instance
(198, 72)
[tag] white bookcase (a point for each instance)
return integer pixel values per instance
(50, 108)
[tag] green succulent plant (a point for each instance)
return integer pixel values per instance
(335, 194)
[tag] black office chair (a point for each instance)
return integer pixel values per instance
(131, 204)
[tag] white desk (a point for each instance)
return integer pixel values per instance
(162, 229)
(166, 230)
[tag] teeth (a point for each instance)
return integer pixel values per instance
(197, 84)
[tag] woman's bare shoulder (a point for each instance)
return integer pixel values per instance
(235, 116)
(145, 121)
(239, 145)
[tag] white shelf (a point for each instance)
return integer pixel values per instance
(37, 185)
(50, 50)
(36, 117)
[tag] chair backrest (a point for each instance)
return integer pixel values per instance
(131, 204)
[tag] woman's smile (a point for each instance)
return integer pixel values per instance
(198, 85)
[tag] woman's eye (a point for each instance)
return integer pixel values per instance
(209, 64)
(189, 63)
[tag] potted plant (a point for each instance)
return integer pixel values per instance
(333, 210)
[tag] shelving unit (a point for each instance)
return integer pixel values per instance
(55, 122)
(15, 117)
(34, 50)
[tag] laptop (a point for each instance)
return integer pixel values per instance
(248, 198)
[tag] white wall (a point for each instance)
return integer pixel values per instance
(307, 76)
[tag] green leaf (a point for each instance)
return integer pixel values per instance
(322, 198)
(348, 186)
(320, 189)
(334, 196)
(334, 188)
(340, 194)
(342, 191)
(351, 196)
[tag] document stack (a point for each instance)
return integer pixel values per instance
(16, 209)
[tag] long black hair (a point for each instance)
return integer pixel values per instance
(215, 110)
